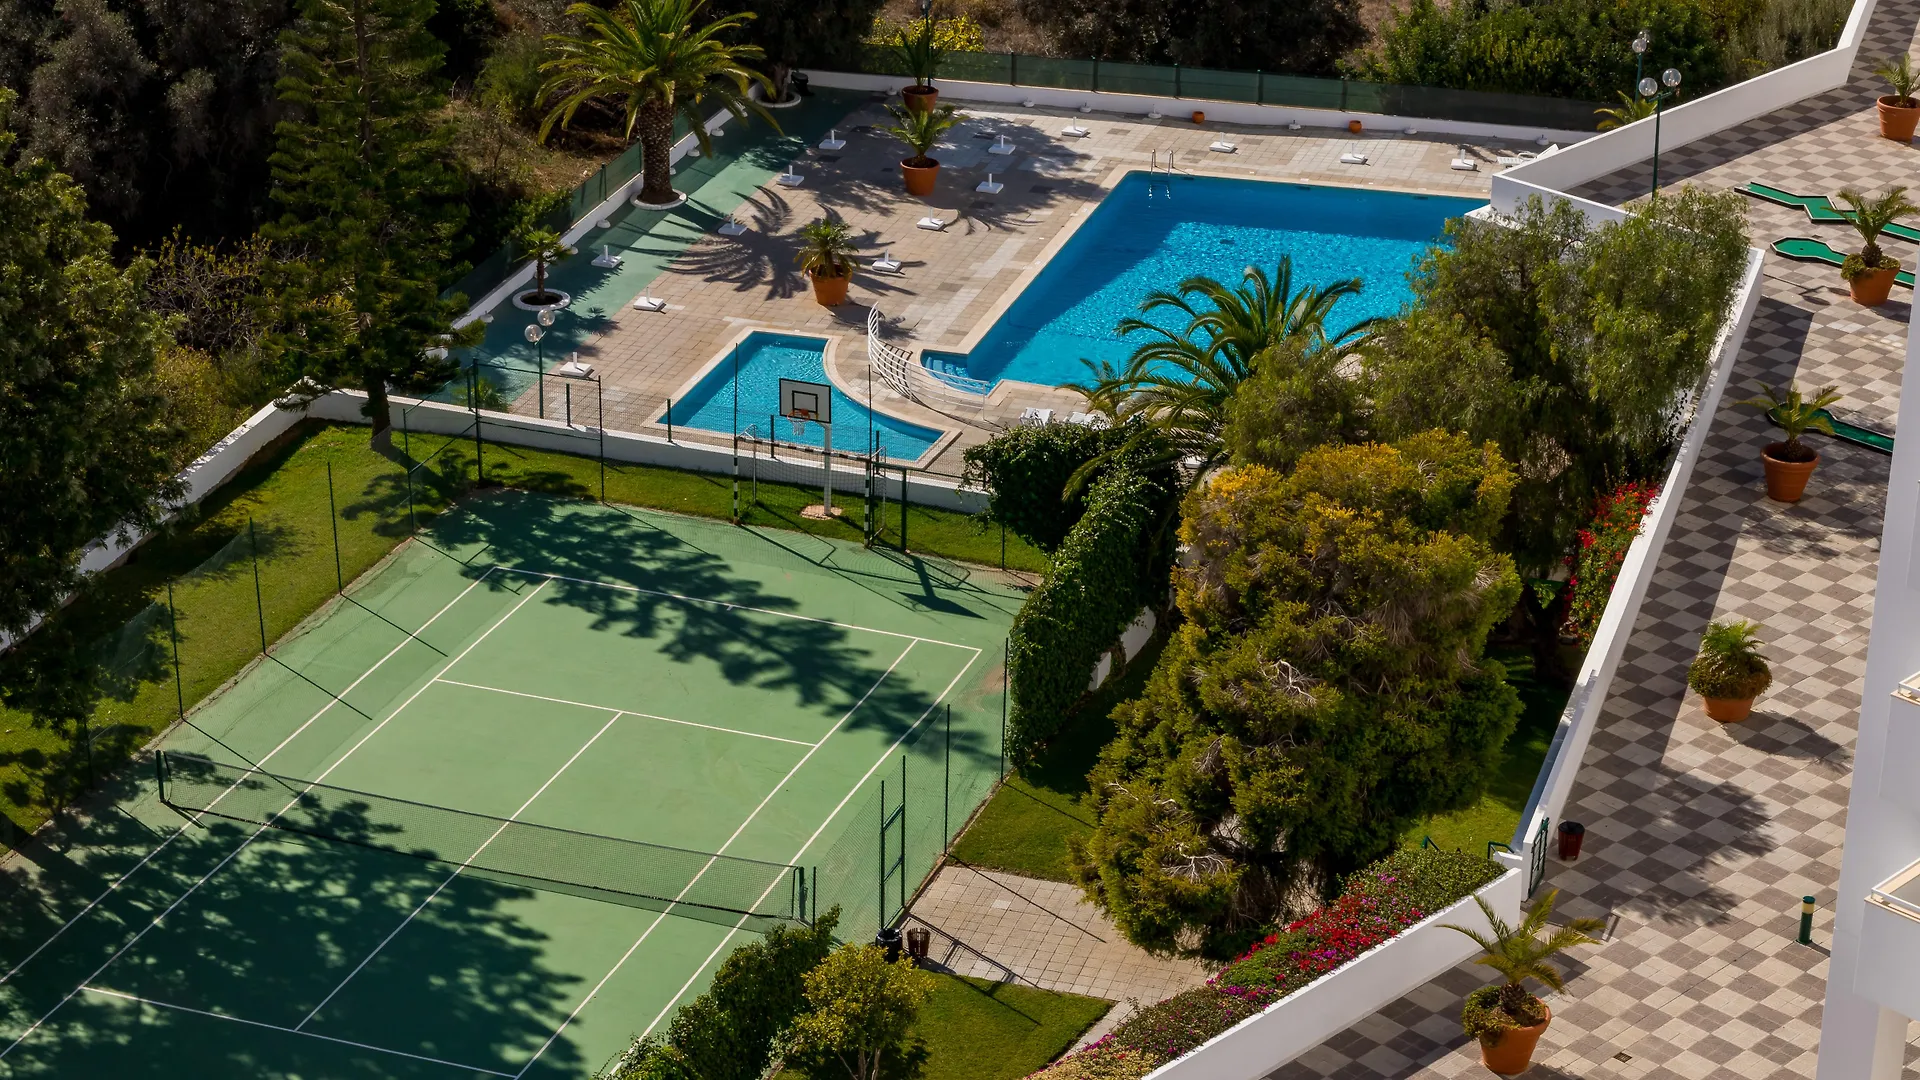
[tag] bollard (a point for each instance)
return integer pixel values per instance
(1806, 920)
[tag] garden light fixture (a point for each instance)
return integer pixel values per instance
(1649, 89)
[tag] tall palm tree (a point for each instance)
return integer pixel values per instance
(656, 59)
(1181, 381)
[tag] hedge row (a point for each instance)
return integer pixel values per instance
(1115, 560)
(1378, 903)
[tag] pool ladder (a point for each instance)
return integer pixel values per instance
(1159, 176)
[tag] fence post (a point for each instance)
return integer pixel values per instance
(1259, 87)
(259, 606)
(1176, 81)
(946, 789)
(1006, 671)
(1096, 74)
(333, 520)
(881, 878)
(669, 419)
(903, 832)
(1343, 91)
(1013, 69)
(903, 509)
(173, 634)
(600, 404)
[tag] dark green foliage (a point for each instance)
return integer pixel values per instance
(1026, 473)
(369, 198)
(1300, 37)
(1729, 664)
(1113, 562)
(1296, 399)
(728, 1032)
(1428, 878)
(1326, 690)
(1572, 348)
(466, 28)
(84, 448)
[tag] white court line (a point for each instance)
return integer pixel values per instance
(204, 878)
(816, 835)
(611, 720)
(623, 712)
(103, 992)
(732, 606)
(721, 850)
(331, 702)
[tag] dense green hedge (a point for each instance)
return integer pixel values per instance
(1027, 474)
(1115, 560)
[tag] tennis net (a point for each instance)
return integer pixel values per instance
(536, 856)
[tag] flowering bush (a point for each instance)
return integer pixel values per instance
(1378, 903)
(1603, 546)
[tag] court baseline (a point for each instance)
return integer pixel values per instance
(623, 712)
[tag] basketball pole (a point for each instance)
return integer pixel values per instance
(826, 463)
(736, 433)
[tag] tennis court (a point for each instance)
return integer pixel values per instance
(513, 800)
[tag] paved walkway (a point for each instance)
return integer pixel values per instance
(1043, 932)
(1702, 838)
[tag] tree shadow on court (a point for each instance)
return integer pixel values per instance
(267, 938)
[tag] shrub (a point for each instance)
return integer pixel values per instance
(1729, 663)
(860, 1010)
(1114, 561)
(1378, 903)
(1603, 546)
(1026, 471)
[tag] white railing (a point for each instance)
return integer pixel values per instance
(903, 375)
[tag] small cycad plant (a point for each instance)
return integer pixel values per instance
(1870, 215)
(1518, 953)
(1797, 414)
(1729, 664)
(1901, 79)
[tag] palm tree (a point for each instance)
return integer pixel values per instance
(1181, 381)
(827, 248)
(1519, 953)
(542, 247)
(1632, 107)
(1869, 217)
(657, 60)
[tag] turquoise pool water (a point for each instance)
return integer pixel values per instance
(1152, 234)
(767, 358)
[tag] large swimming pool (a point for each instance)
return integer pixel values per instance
(1152, 233)
(765, 359)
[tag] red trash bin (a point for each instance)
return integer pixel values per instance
(1571, 833)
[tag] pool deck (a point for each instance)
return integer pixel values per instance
(952, 282)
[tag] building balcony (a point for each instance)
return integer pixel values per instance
(1890, 943)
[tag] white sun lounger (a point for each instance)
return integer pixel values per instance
(1462, 164)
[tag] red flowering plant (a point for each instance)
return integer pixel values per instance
(1603, 547)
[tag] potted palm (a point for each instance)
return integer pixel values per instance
(920, 131)
(1506, 1018)
(543, 248)
(1900, 110)
(1869, 272)
(920, 55)
(1728, 672)
(1790, 462)
(826, 255)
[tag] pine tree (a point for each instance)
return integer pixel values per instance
(364, 174)
(84, 446)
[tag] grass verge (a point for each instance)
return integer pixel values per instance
(96, 682)
(1025, 827)
(980, 1030)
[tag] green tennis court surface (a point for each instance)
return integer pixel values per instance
(503, 718)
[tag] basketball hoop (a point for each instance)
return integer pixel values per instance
(799, 420)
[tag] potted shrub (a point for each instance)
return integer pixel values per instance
(920, 131)
(1869, 272)
(543, 248)
(917, 52)
(1728, 671)
(826, 255)
(1790, 462)
(1900, 110)
(1506, 1018)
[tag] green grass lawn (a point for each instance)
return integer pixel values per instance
(105, 662)
(1497, 813)
(1025, 827)
(980, 1030)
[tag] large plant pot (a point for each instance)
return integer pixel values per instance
(1786, 480)
(923, 98)
(1872, 288)
(1896, 121)
(919, 178)
(1728, 710)
(830, 291)
(1513, 1054)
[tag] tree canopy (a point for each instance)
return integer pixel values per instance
(84, 448)
(1326, 690)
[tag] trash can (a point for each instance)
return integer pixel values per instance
(889, 939)
(919, 939)
(797, 82)
(1571, 833)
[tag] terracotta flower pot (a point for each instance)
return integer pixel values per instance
(1872, 288)
(919, 178)
(1199, 117)
(1355, 126)
(830, 290)
(1786, 480)
(1728, 710)
(1897, 121)
(1513, 1054)
(920, 98)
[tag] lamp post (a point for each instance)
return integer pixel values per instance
(1669, 78)
(1640, 45)
(534, 332)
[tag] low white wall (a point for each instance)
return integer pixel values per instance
(1582, 714)
(1225, 112)
(440, 418)
(1357, 989)
(1132, 640)
(1695, 119)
